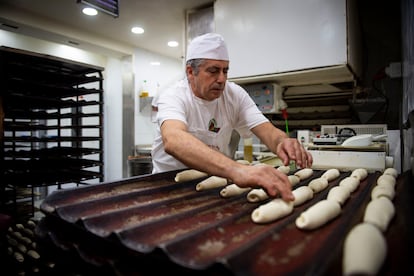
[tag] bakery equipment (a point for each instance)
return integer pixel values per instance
(363, 140)
(148, 224)
(268, 97)
(366, 148)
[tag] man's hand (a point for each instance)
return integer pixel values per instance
(284, 147)
(290, 149)
(273, 181)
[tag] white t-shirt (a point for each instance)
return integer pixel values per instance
(212, 122)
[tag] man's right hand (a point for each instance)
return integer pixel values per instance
(264, 176)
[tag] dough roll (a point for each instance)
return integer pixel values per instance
(293, 179)
(272, 210)
(339, 194)
(188, 175)
(318, 214)
(380, 191)
(379, 213)
(304, 173)
(244, 162)
(318, 184)
(257, 195)
(364, 250)
(302, 194)
(233, 190)
(331, 174)
(351, 183)
(361, 174)
(284, 169)
(391, 171)
(211, 183)
(386, 180)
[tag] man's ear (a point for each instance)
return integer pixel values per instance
(189, 70)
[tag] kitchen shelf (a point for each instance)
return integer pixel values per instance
(51, 125)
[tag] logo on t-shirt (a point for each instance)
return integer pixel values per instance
(212, 126)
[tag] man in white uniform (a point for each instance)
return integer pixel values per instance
(196, 118)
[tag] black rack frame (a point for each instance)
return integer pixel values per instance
(51, 126)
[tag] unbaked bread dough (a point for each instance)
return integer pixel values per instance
(318, 214)
(233, 190)
(331, 174)
(386, 180)
(318, 184)
(244, 162)
(284, 169)
(339, 194)
(391, 171)
(293, 179)
(272, 210)
(360, 173)
(188, 175)
(304, 173)
(302, 194)
(379, 212)
(350, 182)
(257, 195)
(211, 183)
(384, 190)
(364, 250)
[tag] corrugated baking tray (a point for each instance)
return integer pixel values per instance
(151, 219)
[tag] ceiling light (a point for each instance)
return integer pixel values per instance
(137, 30)
(107, 6)
(155, 63)
(90, 11)
(172, 43)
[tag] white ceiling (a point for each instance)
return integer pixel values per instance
(62, 21)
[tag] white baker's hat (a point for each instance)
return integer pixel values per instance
(209, 46)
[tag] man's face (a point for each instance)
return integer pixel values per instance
(209, 83)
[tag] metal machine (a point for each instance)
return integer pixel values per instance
(364, 146)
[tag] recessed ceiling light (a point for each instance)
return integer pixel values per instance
(172, 43)
(155, 63)
(90, 11)
(137, 30)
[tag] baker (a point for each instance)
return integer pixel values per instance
(197, 116)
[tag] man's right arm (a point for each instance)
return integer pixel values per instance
(197, 155)
(192, 152)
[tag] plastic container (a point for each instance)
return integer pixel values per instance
(139, 165)
(248, 149)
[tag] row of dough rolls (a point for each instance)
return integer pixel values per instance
(233, 189)
(190, 174)
(258, 194)
(229, 189)
(365, 247)
(313, 217)
(277, 208)
(209, 183)
(327, 209)
(318, 214)
(357, 259)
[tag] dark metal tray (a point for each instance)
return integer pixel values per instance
(150, 218)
